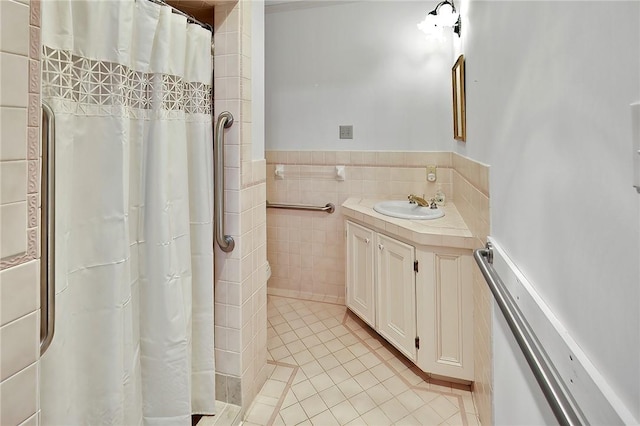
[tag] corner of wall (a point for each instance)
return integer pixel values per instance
(471, 197)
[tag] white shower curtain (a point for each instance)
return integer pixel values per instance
(130, 84)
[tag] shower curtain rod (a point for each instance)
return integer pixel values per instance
(190, 18)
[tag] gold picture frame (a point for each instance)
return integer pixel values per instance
(459, 107)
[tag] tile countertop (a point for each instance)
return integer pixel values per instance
(448, 231)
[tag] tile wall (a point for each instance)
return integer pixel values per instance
(306, 250)
(471, 197)
(240, 288)
(19, 211)
(240, 275)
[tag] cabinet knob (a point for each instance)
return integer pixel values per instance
(380, 246)
(366, 240)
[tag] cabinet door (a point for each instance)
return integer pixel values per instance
(360, 284)
(396, 314)
(445, 313)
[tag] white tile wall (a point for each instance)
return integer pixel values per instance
(19, 168)
(19, 396)
(19, 291)
(19, 345)
(13, 133)
(14, 70)
(14, 27)
(13, 181)
(13, 221)
(240, 275)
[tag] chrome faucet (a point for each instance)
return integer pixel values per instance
(414, 199)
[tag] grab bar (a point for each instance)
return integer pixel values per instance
(47, 232)
(559, 398)
(329, 207)
(225, 242)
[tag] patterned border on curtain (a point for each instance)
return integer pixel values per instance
(97, 88)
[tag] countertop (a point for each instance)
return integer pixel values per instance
(448, 231)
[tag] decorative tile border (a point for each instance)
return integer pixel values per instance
(33, 177)
(33, 143)
(34, 76)
(287, 386)
(296, 294)
(32, 212)
(35, 13)
(34, 42)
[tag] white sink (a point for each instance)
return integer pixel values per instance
(406, 210)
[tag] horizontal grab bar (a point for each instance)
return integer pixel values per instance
(559, 398)
(329, 207)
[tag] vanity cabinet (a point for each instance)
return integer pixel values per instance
(360, 285)
(419, 298)
(444, 300)
(396, 294)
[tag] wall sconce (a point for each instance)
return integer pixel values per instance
(444, 15)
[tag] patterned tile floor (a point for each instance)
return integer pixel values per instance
(328, 368)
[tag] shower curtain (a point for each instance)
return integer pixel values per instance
(130, 84)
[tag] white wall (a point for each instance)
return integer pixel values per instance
(257, 79)
(548, 91)
(518, 400)
(359, 63)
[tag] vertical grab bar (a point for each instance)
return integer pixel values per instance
(225, 242)
(47, 232)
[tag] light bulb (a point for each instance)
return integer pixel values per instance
(429, 25)
(431, 29)
(447, 16)
(445, 9)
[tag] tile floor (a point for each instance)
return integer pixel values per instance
(328, 368)
(226, 415)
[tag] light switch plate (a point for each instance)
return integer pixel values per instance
(346, 132)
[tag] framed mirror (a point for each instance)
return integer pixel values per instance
(459, 109)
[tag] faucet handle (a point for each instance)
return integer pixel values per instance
(433, 204)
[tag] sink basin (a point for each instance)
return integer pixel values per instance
(406, 210)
